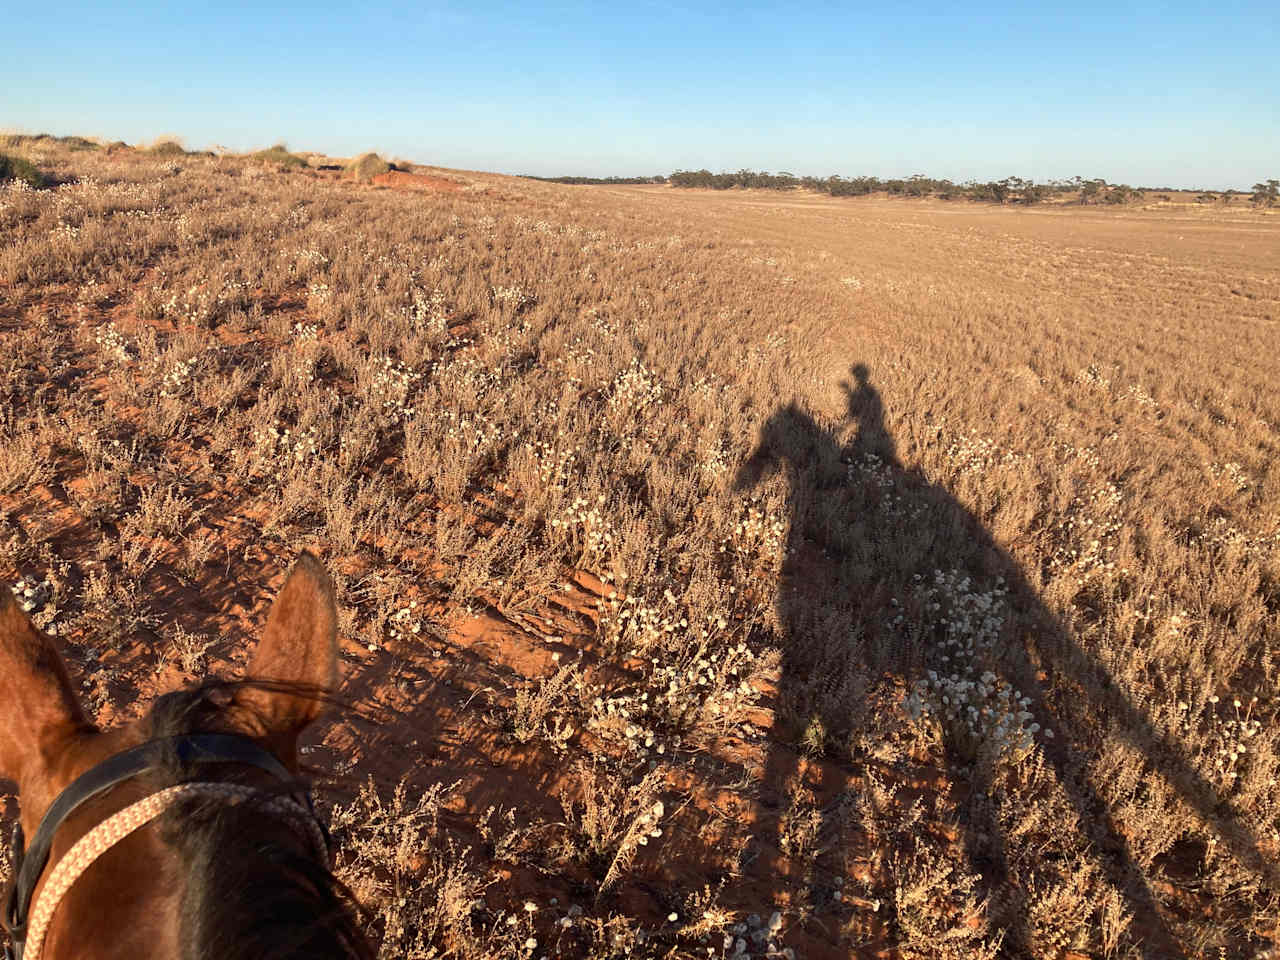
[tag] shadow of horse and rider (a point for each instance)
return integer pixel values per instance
(864, 529)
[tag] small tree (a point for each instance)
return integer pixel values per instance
(1122, 193)
(1266, 193)
(998, 190)
(1090, 190)
(1034, 193)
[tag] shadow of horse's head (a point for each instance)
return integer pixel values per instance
(792, 437)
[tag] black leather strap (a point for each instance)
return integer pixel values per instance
(193, 748)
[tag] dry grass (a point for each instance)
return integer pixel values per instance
(969, 650)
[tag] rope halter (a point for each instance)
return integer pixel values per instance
(27, 919)
(119, 825)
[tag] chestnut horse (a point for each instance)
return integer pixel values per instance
(189, 833)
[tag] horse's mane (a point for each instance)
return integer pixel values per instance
(255, 889)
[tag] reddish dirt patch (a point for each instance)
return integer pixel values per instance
(399, 180)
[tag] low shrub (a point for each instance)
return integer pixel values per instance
(168, 148)
(279, 154)
(16, 168)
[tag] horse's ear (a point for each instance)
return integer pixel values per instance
(39, 710)
(297, 657)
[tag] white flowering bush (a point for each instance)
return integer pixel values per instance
(64, 233)
(972, 453)
(463, 380)
(32, 594)
(634, 393)
(204, 302)
(554, 464)
(177, 378)
(1139, 395)
(697, 679)
(1231, 475)
(406, 623)
(1224, 729)
(112, 343)
(308, 261)
(306, 332)
(277, 440)
(588, 529)
(871, 471)
(513, 297)
(981, 713)
(636, 626)
(429, 311)
(760, 531)
(1220, 534)
(1087, 535)
(1092, 376)
(714, 460)
(705, 694)
(386, 383)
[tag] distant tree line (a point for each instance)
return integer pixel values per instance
(1008, 190)
(598, 180)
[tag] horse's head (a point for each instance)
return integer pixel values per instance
(188, 832)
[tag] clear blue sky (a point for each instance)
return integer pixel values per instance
(1175, 94)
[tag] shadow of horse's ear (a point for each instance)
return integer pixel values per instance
(297, 657)
(39, 710)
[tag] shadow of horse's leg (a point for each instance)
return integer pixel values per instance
(986, 845)
(985, 852)
(1165, 756)
(1112, 850)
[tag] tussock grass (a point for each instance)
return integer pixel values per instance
(367, 166)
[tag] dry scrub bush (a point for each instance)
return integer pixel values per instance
(23, 460)
(188, 649)
(409, 874)
(611, 820)
(538, 708)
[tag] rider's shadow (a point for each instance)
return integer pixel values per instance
(859, 596)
